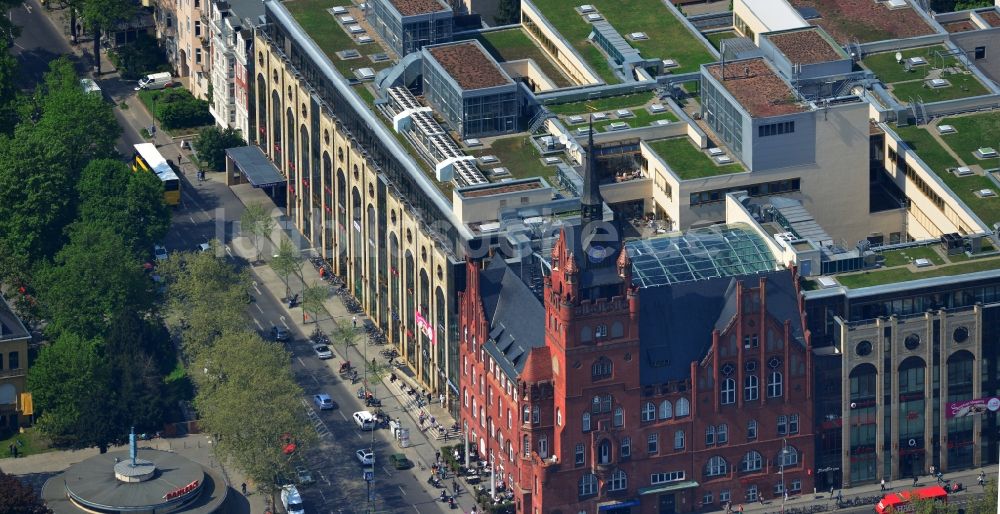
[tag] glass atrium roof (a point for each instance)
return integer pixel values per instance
(698, 254)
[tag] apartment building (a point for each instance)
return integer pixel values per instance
(13, 370)
(232, 24)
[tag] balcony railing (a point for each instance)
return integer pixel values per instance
(7, 373)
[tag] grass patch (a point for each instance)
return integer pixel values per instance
(641, 118)
(514, 45)
(973, 132)
(668, 37)
(321, 26)
(602, 104)
(884, 65)
(932, 153)
(519, 156)
(908, 255)
(716, 37)
(688, 161)
(31, 442)
(962, 86)
(894, 275)
(365, 94)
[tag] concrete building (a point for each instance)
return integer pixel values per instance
(13, 370)
(409, 25)
(184, 27)
(474, 95)
(752, 18)
(232, 23)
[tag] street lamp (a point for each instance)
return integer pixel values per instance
(782, 455)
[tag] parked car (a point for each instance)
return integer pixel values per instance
(155, 81)
(303, 476)
(160, 252)
(323, 351)
(399, 461)
(324, 402)
(365, 457)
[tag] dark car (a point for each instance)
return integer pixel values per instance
(279, 333)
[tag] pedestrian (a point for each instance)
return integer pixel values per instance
(761, 499)
(243, 486)
(373, 362)
(740, 510)
(831, 492)
(786, 495)
(441, 397)
(456, 453)
(914, 480)
(355, 321)
(15, 452)
(437, 456)
(10, 449)
(454, 486)
(883, 485)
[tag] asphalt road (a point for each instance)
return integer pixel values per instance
(39, 43)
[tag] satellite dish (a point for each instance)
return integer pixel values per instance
(899, 57)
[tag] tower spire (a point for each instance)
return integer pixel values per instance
(591, 203)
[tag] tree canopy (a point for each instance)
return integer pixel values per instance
(131, 204)
(212, 144)
(16, 497)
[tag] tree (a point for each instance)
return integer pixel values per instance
(9, 93)
(232, 385)
(347, 334)
(212, 144)
(139, 354)
(209, 294)
(131, 204)
(95, 278)
(508, 11)
(16, 497)
(312, 301)
(102, 16)
(69, 383)
(285, 263)
(987, 503)
(258, 222)
(376, 372)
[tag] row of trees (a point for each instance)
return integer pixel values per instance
(75, 225)
(246, 394)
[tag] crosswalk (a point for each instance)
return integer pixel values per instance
(318, 424)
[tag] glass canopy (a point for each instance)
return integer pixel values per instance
(703, 253)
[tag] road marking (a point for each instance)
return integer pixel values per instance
(401, 490)
(26, 7)
(342, 414)
(416, 509)
(255, 322)
(190, 217)
(283, 322)
(301, 362)
(258, 308)
(386, 471)
(327, 480)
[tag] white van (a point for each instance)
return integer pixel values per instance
(365, 420)
(291, 500)
(155, 81)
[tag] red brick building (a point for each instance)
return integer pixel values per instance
(603, 396)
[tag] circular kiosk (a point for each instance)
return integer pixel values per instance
(121, 482)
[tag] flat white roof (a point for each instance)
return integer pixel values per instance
(776, 14)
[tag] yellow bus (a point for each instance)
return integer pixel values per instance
(148, 158)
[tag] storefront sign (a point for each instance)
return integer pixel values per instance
(424, 326)
(972, 407)
(181, 491)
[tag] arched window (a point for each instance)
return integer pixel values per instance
(788, 456)
(774, 384)
(579, 455)
(626, 449)
(586, 422)
(648, 411)
(679, 440)
(558, 417)
(619, 418)
(710, 436)
(588, 485)
(751, 388)
(727, 393)
(683, 408)
(666, 410)
(601, 369)
(525, 445)
(752, 461)
(535, 415)
(604, 452)
(619, 481)
(465, 395)
(716, 466)
(525, 412)
(596, 407)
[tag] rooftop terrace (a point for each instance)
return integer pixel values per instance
(904, 271)
(330, 36)
(865, 20)
(806, 46)
(972, 132)
(688, 161)
(758, 89)
(414, 7)
(469, 65)
(906, 84)
(668, 37)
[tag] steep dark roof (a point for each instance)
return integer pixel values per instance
(516, 316)
(676, 321)
(11, 328)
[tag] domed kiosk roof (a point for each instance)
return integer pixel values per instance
(103, 483)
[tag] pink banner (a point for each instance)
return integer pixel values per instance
(424, 326)
(972, 407)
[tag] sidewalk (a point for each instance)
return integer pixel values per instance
(966, 477)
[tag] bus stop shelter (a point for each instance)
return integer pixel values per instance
(249, 165)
